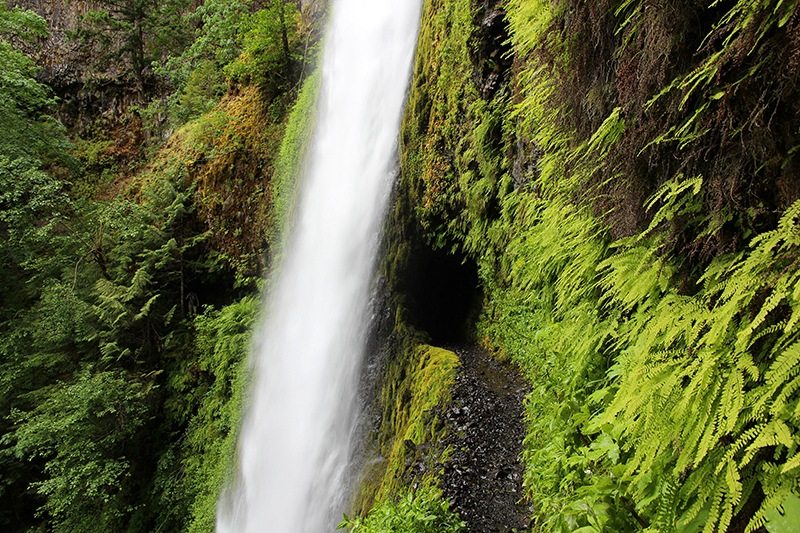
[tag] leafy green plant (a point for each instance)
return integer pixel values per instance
(218, 40)
(29, 131)
(203, 90)
(786, 522)
(222, 343)
(708, 383)
(423, 511)
(269, 42)
(83, 430)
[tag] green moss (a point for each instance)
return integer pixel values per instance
(417, 380)
(290, 163)
(434, 123)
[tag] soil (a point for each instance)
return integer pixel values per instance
(485, 428)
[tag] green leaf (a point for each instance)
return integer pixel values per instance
(789, 521)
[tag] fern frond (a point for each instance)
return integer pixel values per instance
(773, 434)
(714, 510)
(757, 521)
(733, 496)
(667, 506)
(743, 440)
(710, 433)
(145, 310)
(773, 300)
(732, 401)
(676, 195)
(785, 366)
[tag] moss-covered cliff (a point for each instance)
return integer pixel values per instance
(625, 182)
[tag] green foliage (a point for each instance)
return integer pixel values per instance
(83, 431)
(708, 385)
(290, 164)
(32, 206)
(423, 511)
(786, 522)
(28, 131)
(234, 42)
(269, 44)
(663, 398)
(92, 302)
(136, 32)
(21, 24)
(143, 246)
(197, 72)
(98, 164)
(545, 314)
(651, 408)
(216, 43)
(222, 343)
(203, 90)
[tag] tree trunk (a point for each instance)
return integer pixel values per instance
(137, 61)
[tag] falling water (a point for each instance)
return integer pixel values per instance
(296, 439)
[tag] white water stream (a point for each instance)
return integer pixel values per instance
(295, 445)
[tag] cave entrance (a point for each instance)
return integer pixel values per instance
(446, 295)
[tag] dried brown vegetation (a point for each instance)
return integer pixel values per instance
(233, 162)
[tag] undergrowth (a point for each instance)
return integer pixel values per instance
(652, 408)
(220, 373)
(422, 511)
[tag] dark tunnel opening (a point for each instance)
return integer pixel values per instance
(445, 295)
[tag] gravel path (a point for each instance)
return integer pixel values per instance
(483, 475)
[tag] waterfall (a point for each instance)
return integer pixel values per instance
(294, 449)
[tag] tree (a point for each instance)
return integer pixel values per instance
(249, 42)
(34, 248)
(84, 429)
(269, 42)
(28, 130)
(32, 202)
(135, 32)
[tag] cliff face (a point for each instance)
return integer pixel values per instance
(624, 180)
(59, 56)
(91, 97)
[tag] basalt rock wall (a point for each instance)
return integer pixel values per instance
(91, 97)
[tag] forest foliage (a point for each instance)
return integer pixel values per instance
(130, 290)
(623, 173)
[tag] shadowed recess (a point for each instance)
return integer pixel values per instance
(444, 295)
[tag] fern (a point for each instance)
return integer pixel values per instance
(713, 377)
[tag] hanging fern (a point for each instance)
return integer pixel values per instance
(709, 383)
